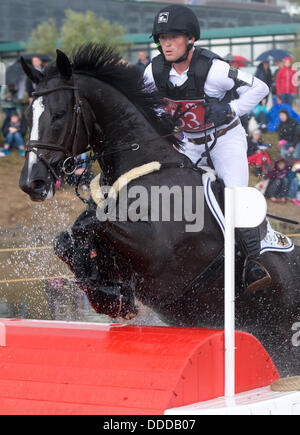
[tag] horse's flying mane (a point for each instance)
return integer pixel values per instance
(103, 63)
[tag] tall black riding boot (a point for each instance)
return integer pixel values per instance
(255, 275)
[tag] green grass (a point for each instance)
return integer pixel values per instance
(272, 139)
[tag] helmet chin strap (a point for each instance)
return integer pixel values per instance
(185, 56)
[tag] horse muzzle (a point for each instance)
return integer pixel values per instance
(39, 187)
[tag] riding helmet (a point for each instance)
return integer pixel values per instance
(176, 19)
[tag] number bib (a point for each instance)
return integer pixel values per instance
(192, 119)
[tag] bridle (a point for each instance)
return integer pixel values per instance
(71, 147)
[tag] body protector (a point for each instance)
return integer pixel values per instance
(188, 102)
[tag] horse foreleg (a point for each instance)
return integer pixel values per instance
(94, 264)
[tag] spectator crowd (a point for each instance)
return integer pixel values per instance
(13, 104)
(279, 179)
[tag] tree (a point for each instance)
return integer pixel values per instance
(79, 28)
(44, 39)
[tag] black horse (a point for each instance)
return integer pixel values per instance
(101, 101)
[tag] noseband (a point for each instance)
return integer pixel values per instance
(72, 148)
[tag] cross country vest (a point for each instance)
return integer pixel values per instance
(185, 102)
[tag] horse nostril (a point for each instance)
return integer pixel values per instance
(38, 184)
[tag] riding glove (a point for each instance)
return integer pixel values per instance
(218, 113)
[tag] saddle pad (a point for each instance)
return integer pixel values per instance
(273, 241)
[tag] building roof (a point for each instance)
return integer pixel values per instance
(233, 32)
(12, 46)
(222, 33)
(239, 32)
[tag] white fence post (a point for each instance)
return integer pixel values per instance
(245, 207)
(229, 293)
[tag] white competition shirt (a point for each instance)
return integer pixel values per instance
(216, 85)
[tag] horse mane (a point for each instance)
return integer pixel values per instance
(103, 63)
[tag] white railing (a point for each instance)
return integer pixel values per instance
(245, 207)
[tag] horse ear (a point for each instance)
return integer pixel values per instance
(63, 64)
(34, 75)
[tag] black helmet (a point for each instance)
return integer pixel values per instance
(176, 19)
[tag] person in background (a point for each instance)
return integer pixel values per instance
(253, 142)
(294, 180)
(273, 115)
(264, 73)
(260, 157)
(30, 87)
(143, 61)
(288, 136)
(286, 83)
(14, 132)
(260, 114)
(278, 187)
(279, 64)
(9, 100)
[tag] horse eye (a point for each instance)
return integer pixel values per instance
(58, 115)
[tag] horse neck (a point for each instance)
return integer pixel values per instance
(123, 128)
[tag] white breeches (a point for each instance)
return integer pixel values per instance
(229, 156)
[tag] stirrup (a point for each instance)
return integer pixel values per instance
(259, 283)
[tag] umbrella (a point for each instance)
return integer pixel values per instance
(275, 54)
(15, 72)
(241, 60)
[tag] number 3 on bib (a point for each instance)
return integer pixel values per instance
(190, 114)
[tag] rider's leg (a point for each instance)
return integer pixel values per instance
(229, 157)
(230, 160)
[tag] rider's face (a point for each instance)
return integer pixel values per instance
(173, 46)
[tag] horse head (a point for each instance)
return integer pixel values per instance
(58, 128)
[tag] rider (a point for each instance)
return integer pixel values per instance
(207, 97)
